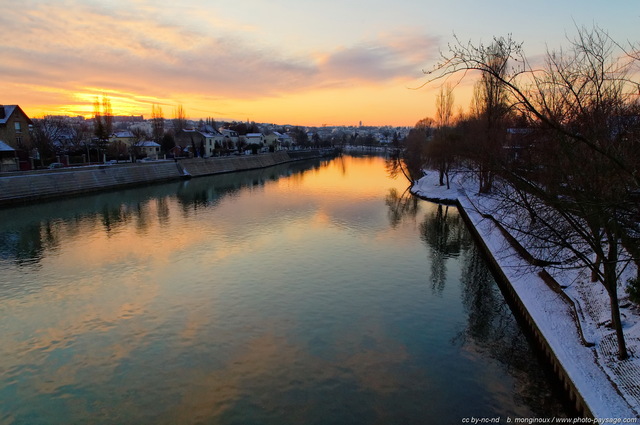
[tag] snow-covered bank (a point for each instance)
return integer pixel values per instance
(609, 387)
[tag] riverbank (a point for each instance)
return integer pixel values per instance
(39, 185)
(564, 310)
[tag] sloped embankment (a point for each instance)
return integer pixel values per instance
(26, 187)
(47, 184)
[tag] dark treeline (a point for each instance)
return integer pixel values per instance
(556, 145)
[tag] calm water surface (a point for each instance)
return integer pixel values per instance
(311, 293)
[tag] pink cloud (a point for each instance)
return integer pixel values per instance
(89, 45)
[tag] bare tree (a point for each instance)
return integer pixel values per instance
(490, 108)
(103, 122)
(157, 121)
(411, 157)
(440, 151)
(579, 187)
(50, 135)
(179, 119)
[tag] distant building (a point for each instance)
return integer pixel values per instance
(127, 119)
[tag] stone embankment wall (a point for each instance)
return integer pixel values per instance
(46, 184)
(206, 166)
(25, 187)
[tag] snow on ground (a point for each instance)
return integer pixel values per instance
(611, 388)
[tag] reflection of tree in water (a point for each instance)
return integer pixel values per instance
(400, 205)
(493, 330)
(491, 327)
(207, 192)
(444, 232)
(26, 244)
(113, 217)
(395, 166)
(162, 206)
(342, 164)
(27, 233)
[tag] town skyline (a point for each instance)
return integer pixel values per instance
(317, 64)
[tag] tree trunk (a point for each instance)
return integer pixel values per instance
(594, 271)
(611, 284)
(617, 323)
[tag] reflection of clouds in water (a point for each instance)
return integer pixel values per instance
(78, 329)
(281, 299)
(275, 374)
(375, 361)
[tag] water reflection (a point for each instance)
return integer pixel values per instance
(491, 329)
(26, 233)
(25, 244)
(401, 205)
(301, 294)
(446, 236)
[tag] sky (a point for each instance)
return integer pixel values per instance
(300, 62)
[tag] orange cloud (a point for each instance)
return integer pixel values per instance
(58, 58)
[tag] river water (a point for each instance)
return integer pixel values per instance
(317, 292)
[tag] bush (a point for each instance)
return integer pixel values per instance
(633, 289)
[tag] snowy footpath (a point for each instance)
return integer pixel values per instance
(609, 387)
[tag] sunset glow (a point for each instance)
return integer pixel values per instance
(332, 63)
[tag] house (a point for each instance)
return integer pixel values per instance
(279, 141)
(148, 149)
(284, 140)
(212, 141)
(176, 152)
(64, 139)
(14, 127)
(256, 139)
(271, 139)
(205, 141)
(126, 137)
(231, 138)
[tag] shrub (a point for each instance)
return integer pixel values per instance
(633, 289)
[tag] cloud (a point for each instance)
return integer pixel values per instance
(138, 49)
(389, 57)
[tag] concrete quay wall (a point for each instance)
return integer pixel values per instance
(39, 185)
(28, 187)
(195, 167)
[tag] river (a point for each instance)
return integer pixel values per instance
(317, 292)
